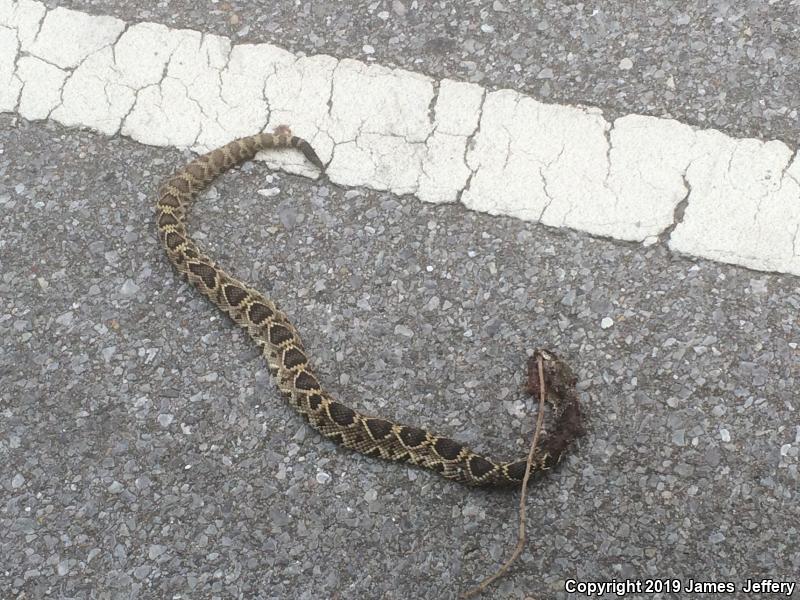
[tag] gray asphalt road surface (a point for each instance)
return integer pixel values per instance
(146, 454)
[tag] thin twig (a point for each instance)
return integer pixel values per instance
(483, 585)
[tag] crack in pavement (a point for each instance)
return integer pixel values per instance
(678, 213)
(15, 63)
(470, 145)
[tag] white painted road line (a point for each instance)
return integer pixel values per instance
(499, 152)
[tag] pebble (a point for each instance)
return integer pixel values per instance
(65, 318)
(716, 537)
(403, 330)
(269, 192)
(63, 567)
(129, 288)
(141, 572)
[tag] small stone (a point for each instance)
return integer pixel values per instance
(432, 304)
(713, 457)
(371, 496)
(725, 435)
(606, 322)
(165, 419)
(155, 551)
(287, 216)
(269, 192)
(403, 330)
(545, 73)
(758, 286)
(18, 481)
(129, 288)
(785, 449)
(65, 318)
(716, 538)
(486, 28)
(368, 49)
(323, 477)
(626, 64)
(471, 510)
(141, 572)
(116, 487)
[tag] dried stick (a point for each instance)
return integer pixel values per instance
(483, 585)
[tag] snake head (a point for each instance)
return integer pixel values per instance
(560, 382)
(558, 376)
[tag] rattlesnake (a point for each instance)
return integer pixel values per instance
(282, 348)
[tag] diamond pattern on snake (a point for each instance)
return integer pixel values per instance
(281, 346)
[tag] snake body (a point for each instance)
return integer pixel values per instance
(281, 346)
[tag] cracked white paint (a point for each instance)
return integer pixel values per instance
(745, 203)
(42, 87)
(456, 115)
(538, 162)
(102, 89)
(67, 37)
(19, 23)
(499, 152)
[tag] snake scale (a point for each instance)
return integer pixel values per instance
(280, 344)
